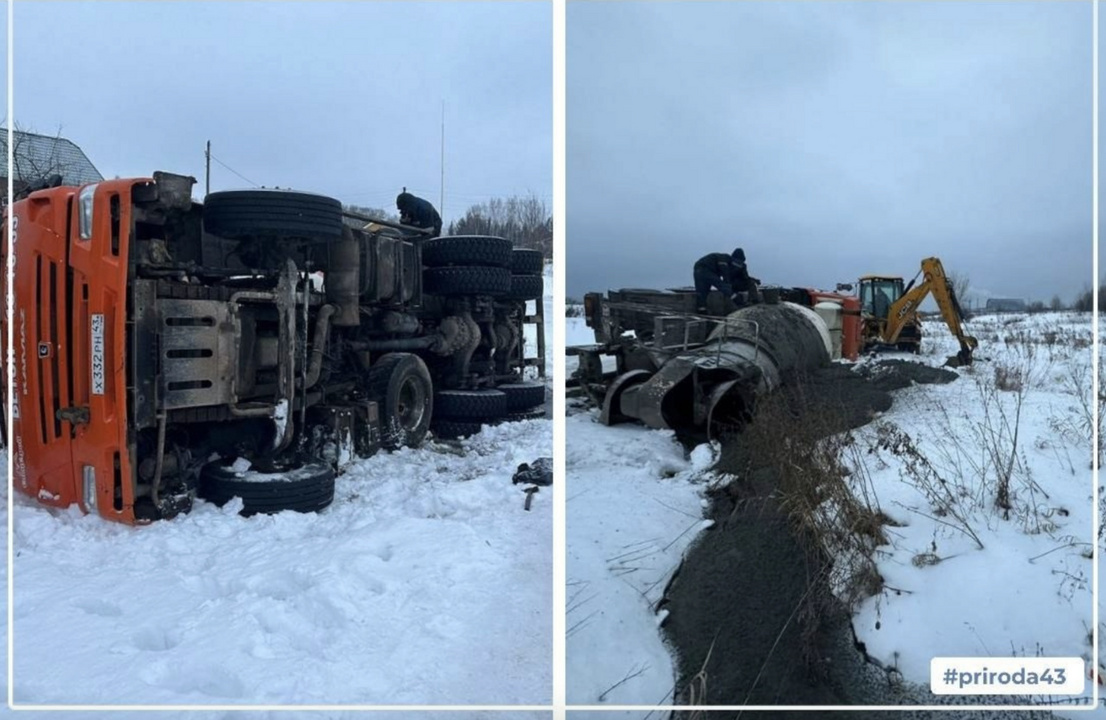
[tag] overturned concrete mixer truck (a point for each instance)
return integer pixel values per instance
(702, 374)
(247, 346)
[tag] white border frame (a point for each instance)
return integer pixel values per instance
(1077, 704)
(9, 308)
(559, 708)
(558, 669)
(560, 502)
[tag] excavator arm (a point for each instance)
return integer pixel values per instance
(904, 309)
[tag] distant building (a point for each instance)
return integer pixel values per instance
(1005, 305)
(37, 157)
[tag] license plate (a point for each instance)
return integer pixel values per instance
(97, 354)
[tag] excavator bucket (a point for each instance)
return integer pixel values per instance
(960, 359)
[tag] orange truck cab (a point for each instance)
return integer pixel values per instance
(69, 389)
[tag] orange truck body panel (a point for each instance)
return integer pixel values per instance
(70, 338)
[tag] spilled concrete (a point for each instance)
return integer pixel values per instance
(751, 618)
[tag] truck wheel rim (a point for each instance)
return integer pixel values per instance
(411, 405)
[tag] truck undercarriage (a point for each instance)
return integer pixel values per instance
(248, 346)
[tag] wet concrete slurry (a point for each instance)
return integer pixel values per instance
(751, 619)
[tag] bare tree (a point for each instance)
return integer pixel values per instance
(961, 283)
(31, 167)
(525, 221)
(371, 212)
(1084, 301)
(1056, 303)
(38, 160)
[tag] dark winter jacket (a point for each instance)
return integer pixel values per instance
(418, 212)
(723, 265)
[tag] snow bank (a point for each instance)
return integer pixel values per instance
(426, 582)
(634, 505)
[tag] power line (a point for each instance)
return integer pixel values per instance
(228, 167)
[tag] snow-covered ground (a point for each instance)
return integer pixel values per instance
(974, 579)
(634, 497)
(633, 507)
(426, 582)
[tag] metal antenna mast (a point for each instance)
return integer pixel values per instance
(441, 198)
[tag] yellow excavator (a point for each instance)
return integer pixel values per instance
(889, 317)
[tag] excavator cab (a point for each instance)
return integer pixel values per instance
(878, 294)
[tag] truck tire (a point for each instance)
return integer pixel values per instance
(522, 396)
(456, 429)
(243, 213)
(470, 404)
(534, 413)
(527, 262)
(401, 385)
(526, 287)
(466, 250)
(306, 488)
(467, 280)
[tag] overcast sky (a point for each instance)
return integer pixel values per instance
(830, 140)
(342, 98)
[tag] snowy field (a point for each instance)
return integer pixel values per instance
(990, 479)
(426, 582)
(962, 576)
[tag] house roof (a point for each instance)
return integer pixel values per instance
(37, 156)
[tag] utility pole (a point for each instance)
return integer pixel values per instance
(207, 171)
(441, 198)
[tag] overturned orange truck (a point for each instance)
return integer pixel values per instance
(248, 346)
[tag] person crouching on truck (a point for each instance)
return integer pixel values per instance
(727, 273)
(418, 212)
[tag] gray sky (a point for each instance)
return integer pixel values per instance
(1101, 133)
(342, 98)
(830, 140)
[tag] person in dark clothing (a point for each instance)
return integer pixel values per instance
(741, 280)
(418, 212)
(727, 273)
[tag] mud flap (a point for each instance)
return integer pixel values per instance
(655, 396)
(612, 404)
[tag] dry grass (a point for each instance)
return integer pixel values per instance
(949, 500)
(973, 467)
(1008, 378)
(821, 484)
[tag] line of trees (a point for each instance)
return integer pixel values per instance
(1083, 302)
(525, 221)
(370, 211)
